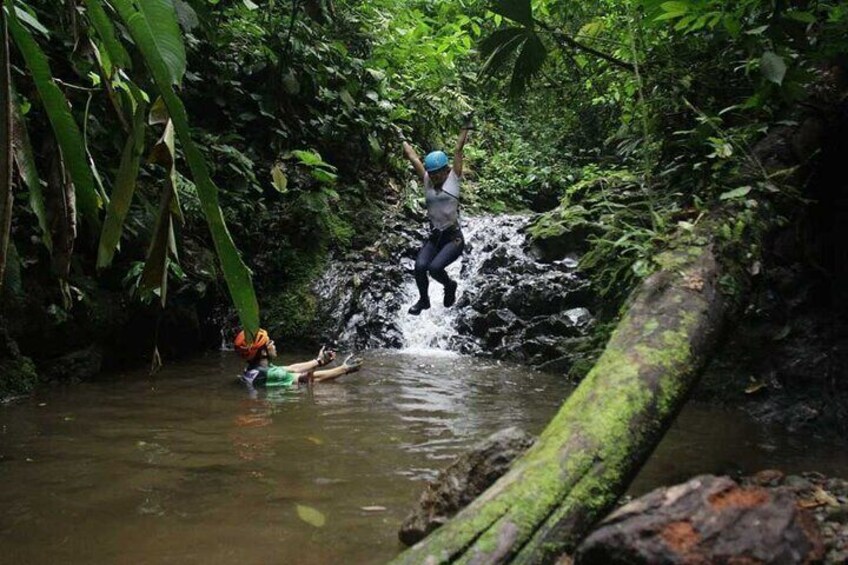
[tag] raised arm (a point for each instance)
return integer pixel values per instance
(325, 356)
(413, 158)
(460, 144)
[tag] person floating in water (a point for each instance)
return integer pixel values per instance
(260, 371)
(445, 242)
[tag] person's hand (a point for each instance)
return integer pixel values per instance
(325, 356)
(306, 378)
(352, 364)
(468, 120)
(399, 133)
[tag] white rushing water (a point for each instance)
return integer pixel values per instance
(433, 330)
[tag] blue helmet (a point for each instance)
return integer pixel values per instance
(435, 161)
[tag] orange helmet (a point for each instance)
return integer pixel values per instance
(249, 350)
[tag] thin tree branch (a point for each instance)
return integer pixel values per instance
(570, 42)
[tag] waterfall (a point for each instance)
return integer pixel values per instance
(509, 304)
(436, 328)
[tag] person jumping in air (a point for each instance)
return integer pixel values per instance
(260, 371)
(445, 243)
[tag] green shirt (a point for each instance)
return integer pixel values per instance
(270, 376)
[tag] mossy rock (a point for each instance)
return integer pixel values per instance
(291, 314)
(562, 232)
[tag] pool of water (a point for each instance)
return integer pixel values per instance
(187, 467)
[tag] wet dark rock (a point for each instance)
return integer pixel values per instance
(460, 483)
(560, 245)
(706, 520)
(76, 366)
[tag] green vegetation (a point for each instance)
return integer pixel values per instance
(167, 149)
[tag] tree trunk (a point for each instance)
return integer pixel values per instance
(609, 426)
(6, 193)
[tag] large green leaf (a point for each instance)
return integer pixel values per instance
(106, 30)
(773, 67)
(527, 64)
(163, 245)
(516, 10)
(25, 160)
(235, 272)
(161, 18)
(122, 195)
(155, 274)
(61, 120)
(497, 48)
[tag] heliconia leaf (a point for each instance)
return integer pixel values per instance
(25, 160)
(520, 11)
(155, 274)
(61, 120)
(161, 18)
(122, 194)
(164, 153)
(311, 516)
(235, 272)
(106, 30)
(773, 67)
(30, 20)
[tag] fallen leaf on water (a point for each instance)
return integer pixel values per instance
(315, 440)
(311, 516)
(374, 508)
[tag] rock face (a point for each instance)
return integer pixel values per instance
(464, 480)
(706, 520)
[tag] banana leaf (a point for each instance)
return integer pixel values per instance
(61, 120)
(25, 160)
(236, 274)
(122, 195)
(102, 24)
(155, 274)
(161, 16)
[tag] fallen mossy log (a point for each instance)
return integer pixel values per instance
(604, 432)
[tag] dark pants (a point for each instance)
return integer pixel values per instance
(440, 250)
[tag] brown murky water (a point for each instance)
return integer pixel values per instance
(186, 467)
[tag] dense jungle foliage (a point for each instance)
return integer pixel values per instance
(161, 151)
